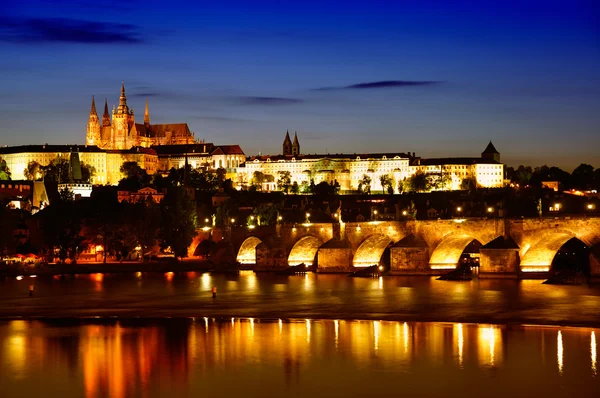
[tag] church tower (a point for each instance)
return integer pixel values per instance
(296, 145)
(287, 144)
(147, 115)
(122, 122)
(490, 153)
(93, 127)
(106, 115)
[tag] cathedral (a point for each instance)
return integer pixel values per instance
(122, 132)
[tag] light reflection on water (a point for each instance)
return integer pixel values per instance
(260, 358)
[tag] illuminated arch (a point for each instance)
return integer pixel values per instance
(447, 254)
(370, 251)
(304, 251)
(539, 256)
(247, 252)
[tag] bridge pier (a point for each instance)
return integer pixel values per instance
(409, 256)
(499, 259)
(335, 256)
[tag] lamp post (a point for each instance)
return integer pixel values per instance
(307, 218)
(375, 214)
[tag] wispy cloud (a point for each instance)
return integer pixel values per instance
(268, 100)
(64, 30)
(382, 84)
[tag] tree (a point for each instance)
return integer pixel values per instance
(9, 223)
(582, 177)
(4, 170)
(33, 171)
(179, 220)
(468, 183)
(134, 177)
(295, 187)
(61, 227)
(364, 184)
(387, 183)
(402, 185)
(284, 181)
(417, 182)
(258, 178)
(323, 189)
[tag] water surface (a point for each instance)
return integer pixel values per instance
(299, 358)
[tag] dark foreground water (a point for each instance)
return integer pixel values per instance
(307, 297)
(300, 358)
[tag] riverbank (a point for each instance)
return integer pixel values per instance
(167, 265)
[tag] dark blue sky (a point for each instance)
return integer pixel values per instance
(524, 74)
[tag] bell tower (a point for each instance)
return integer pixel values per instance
(287, 144)
(296, 145)
(122, 122)
(93, 127)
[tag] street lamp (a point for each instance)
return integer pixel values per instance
(490, 209)
(590, 206)
(458, 209)
(404, 212)
(307, 217)
(375, 214)
(557, 206)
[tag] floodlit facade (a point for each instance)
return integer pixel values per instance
(349, 169)
(118, 129)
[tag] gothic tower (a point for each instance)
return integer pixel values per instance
(147, 115)
(122, 122)
(93, 127)
(287, 144)
(106, 115)
(296, 145)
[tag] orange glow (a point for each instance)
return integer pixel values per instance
(97, 277)
(559, 352)
(593, 353)
(169, 276)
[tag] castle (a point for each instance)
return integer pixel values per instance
(122, 132)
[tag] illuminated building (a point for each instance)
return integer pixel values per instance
(122, 132)
(348, 169)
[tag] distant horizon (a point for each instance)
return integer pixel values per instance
(434, 78)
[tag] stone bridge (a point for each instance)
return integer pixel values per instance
(507, 247)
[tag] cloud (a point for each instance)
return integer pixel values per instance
(143, 95)
(64, 30)
(268, 100)
(383, 84)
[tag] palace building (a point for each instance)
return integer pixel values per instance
(349, 169)
(114, 140)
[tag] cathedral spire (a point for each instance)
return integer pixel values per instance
(123, 108)
(147, 114)
(106, 115)
(93, 110)
(296, 145)
(287, 144)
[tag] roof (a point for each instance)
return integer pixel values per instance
(133, 149)
(452, 161)
(180, 149)
(161, 130)
(336, 156)
(501, 243)
(490, 149)
(228, 150)
(49, 148)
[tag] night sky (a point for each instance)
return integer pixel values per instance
(431, 77)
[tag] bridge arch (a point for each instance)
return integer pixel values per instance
(370, 250)
(447, 253)
(304, 251)
(538, 257)
(247, 252)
